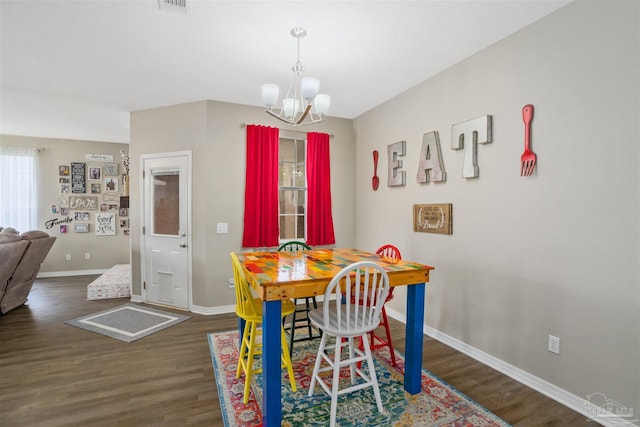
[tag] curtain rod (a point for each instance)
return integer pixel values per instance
(287, 131)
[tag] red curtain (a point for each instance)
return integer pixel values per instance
(261, 227)
(319, 219)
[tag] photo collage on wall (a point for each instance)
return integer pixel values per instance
(93, 197)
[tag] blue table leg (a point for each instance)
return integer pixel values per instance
(271, 350)
(413, 338)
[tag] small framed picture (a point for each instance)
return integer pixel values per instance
(127, 232)
(111, 169)
(81, 228)
(124, 211)
(64, 180)
(95, 172)
(64, 170)
(105, 224)
(63, 229)
(124, 223)
(95, 188)
(64, 188)
(81, 216)
(64, 211)
(110, 184)
(112, 206)
(54, 209)
(103, 207)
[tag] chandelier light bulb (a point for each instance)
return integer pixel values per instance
(290, 107)
(321, 103)
(310, 87)
(270, 93)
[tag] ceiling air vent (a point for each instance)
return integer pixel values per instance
(174, 5)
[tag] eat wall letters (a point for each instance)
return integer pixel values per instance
(465, 135)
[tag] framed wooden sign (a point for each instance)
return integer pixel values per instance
(433, 218)
(78, 177)
(89, 203)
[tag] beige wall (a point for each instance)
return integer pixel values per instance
(556, 253)
(106, 251)
(213, 132)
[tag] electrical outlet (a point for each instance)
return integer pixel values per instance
(68, 257)
(87, 255)
(222, 227)
(554, 344)
(232, 283)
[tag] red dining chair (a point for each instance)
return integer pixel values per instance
(376, 341)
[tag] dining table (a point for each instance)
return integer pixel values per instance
(277, 276)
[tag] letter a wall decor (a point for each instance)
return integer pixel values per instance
(430, 166)
(467, 135)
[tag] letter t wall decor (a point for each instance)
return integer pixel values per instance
(467, 135)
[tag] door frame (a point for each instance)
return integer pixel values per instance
(143, 226)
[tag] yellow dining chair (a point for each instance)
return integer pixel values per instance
(249, 308)
(300, 317)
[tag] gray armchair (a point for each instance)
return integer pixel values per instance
(12, 248)
(36, 247)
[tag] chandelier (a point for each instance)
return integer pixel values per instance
(302, 105)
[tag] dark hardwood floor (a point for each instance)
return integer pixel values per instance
(52, 374)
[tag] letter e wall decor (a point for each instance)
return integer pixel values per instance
(396, 177)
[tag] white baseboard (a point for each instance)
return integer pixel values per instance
(562, 396)
(70, 273)
(208, 311)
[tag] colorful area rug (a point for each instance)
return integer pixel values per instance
(437, 405)
(128, 322)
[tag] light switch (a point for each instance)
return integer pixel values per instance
(223, 227)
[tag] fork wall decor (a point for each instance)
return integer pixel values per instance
(528, 158)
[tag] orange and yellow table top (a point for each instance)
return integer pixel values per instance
(282, 275)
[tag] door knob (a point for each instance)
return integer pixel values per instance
(183, 245)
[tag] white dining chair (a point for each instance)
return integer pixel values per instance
(351, 309)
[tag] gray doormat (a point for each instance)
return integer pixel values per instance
(128, 322)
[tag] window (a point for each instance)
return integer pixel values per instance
(292, 189)
(287, 188)
(18, 191)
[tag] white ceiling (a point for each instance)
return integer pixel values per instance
(75, 69)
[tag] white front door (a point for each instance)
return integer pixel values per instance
(166, 237)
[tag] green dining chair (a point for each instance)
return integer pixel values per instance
(300, 317)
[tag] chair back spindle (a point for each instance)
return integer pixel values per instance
(293, 246)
